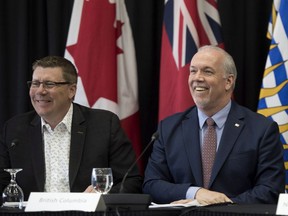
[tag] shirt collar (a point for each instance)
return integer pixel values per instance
(219, 118)
(67, 120)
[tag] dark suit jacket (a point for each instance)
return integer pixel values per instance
(249, 166)
(97, 140)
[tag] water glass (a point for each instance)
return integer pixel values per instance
(12, 196)
(102, 180)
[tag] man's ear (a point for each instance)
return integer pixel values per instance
(72, 90)
(230, 80)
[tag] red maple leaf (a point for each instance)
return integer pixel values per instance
(95, 53)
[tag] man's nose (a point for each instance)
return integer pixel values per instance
(41, 88)
(198, 75)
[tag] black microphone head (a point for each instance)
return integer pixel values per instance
(155, 135)
(14, 143)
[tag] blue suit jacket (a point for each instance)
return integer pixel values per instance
(97, 140)
(249, 166)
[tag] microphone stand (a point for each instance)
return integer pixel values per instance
(153, 138)
(129, 201)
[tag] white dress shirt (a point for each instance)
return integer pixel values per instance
(57, 150)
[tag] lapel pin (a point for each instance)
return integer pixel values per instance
(237, 125)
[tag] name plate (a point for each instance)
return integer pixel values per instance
(88, 202)
(282, 206)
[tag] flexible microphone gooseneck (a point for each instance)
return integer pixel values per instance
(153, 138)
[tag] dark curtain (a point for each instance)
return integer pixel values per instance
(31, 29)
(244, 25)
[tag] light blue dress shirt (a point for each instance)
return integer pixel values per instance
(220, 119)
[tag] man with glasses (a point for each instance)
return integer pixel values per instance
(59, 143)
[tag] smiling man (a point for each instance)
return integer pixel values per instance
(59, 143)
(216, 151)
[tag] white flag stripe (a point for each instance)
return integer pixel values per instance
(75, 19)
(204, 9)
(190, 25)
(176, 26)
(127, 76)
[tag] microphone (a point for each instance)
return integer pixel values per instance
(130, 201)
(153, 138)
(14, 143)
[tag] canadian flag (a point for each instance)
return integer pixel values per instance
(100, 44)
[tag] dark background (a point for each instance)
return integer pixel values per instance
(31, 29)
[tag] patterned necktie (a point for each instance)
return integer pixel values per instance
(208, 151)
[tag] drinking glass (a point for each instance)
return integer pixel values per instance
(102, 180)
(12, 196)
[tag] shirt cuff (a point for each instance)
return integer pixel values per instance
(191, 192)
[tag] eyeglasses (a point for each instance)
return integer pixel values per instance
(46, 84)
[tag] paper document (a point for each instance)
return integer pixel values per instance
(189, 204)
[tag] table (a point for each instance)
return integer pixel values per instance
(215, 210)
(158, 212)
(232, 210)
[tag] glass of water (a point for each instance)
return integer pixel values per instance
(102, 180)
(12, 196)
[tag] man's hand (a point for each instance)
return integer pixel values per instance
(207, 197)
(183, 201)
(89, 189)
